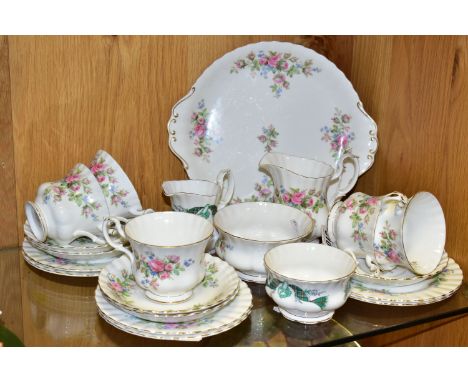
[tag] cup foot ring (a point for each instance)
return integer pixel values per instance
(316, 319)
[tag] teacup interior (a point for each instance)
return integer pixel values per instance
(424, 232)
(168, 229)
(302, 166)
(263, 221)
(310, 262)
(200, 187)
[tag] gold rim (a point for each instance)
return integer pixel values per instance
(309, 229)
(307, 281)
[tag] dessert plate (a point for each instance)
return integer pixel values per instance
(226, 318)
(441, 286)
(397, 277)
(269, 96)
(52, 264)
(117, 283)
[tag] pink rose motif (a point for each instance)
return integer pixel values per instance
(286, 84)
(154, 283)
(284, 65)
(198, 152)
(100, 178)
(156, 265)
(336, 120)
(169, 267)
(251, 56)
(75, 187)
(173, 258)
(343, 141)
(201, 120)
(72, 178)
(393, 256)
(164, 275)
(311, 202)
(116, 286)
(262, 138)
(345, 118)
(110, 171)
(262, 60)
(349, 203)
(286, 198)
(56, 190)
(362, 210)
(372, 201)
(194, 116)
(297, 198)
(115, 199)
(97, 167)
(273, 60)
(199, 130)
(334, 146)
(279, 78)
(265, 191)
(392, 234)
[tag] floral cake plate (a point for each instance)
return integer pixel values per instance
(397, 277)
(226, 318)
(51, 264)
(440, 287)
(264, 97)
(219, 286)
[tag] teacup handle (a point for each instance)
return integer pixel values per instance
(226, 190)
(94, 238)
(396, 196)
(339, 171)
(118, 226)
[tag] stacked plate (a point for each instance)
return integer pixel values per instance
(220, 302)
(81, 258)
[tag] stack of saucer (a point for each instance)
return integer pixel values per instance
(80, 258)
(220, 302)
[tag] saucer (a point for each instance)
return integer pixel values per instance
(224, 319)
(438, 288)
(397, 277)
(118, 285)
(48, 263)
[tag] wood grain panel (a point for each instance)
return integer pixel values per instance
(8, 233)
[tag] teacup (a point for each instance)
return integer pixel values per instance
(200, 197)
(121, 197)
(69, 208)
(248, 230)
(308, 281)
(167, 253)
(351, 223)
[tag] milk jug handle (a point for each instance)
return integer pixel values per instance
(225, 181)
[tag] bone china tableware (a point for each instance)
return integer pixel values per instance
(69, 208)
(441, 286)
(303, 183)
(51, 264)
(218, 288)
(167, 253)
(200, 197)
(120, 195)
(263, 97)
(308, 281)
(248, 230)
(226, 318)
(351, 223)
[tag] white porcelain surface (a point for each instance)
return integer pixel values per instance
(441, 286)
(263, 97)
(224, 319)
(167, 252)
(69, 208)
(303, 183)
(248, 230)
(308, 281)
(219, 285)
(120, 194)
(52, 264)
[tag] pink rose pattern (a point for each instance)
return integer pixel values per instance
(108, 182)
(121, 285)
(388, 247)
(339, 135)
(202, 138)
(281, 66)
(361, 207)
(157, 269)
(264, 192)
(268, 138)
(75, 186)
(308, 201)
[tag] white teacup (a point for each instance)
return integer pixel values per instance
(167, 252)
(69, 208)
(308, 281)
(121, 197)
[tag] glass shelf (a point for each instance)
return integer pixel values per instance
(43, 309)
